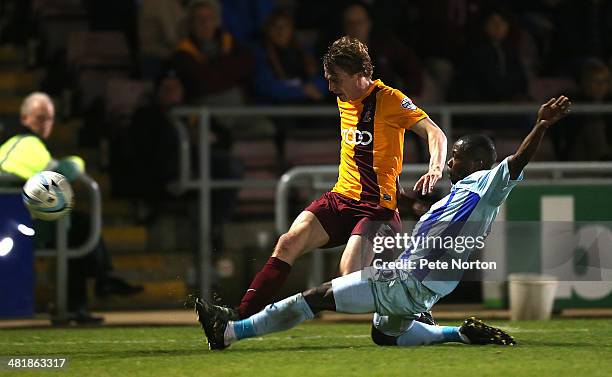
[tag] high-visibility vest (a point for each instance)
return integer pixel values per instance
(24, 155)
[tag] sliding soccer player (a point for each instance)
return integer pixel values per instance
(467, 211)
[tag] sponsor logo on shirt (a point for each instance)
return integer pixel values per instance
(353, 136)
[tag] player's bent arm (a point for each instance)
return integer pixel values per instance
(528, 148)
(437, 143)
(549, 114)
(436, 140)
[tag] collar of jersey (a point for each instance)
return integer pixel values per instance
(469, 180)
(374, 84)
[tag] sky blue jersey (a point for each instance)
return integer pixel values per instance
(467, 211)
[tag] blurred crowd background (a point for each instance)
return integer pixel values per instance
(236, 52)
(116, 69)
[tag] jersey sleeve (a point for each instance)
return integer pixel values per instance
(495, 185)
(400, 111)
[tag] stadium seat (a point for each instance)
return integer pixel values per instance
(304, 151)
(123, 96)
(256, 154)
(98, 49)
(92, 84)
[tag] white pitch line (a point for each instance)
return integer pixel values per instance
(520, 330)
(274, 338)
(157, 341)
(310, 337)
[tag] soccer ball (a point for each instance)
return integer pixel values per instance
(48, 196)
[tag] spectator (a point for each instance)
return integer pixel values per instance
(491, 70)
(541, 20)
(215, 69)
(212, 66)
(155, 149)
(285, 71)
(587, 137)
(316, 22)
(26, 154)
(160, 28)
(395, 63)
(442, 27)
(150, 145)
(245, 18)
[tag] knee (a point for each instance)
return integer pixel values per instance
(320, 298)
(287, 246)
(320, 292)
(382, 339)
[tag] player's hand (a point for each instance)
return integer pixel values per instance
(553, 111)
(428, 181)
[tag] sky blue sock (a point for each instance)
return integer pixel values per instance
(279, 316)
(421, 334)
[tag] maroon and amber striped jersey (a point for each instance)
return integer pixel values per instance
(372, 132)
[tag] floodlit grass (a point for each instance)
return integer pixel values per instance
(554, 348)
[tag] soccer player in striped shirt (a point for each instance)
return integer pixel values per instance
(373, 121)
(398, 296)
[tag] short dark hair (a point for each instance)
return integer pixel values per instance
(350, 55)
(274, 16)
(480, 147)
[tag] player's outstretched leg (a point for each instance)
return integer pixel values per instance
(472, 331)
(221, 331)
(398, 330)
(354, 296)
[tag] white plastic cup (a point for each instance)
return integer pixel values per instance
(531, 296)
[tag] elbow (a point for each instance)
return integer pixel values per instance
(442, 137)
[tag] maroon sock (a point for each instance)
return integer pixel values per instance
(264, 286)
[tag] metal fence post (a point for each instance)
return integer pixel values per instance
(205, 244)
(61, 288)
(281, 205)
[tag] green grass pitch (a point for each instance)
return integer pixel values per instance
(554, 348)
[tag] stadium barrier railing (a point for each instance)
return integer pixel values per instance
(203, 184)
(322, 177)
(62, 252)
